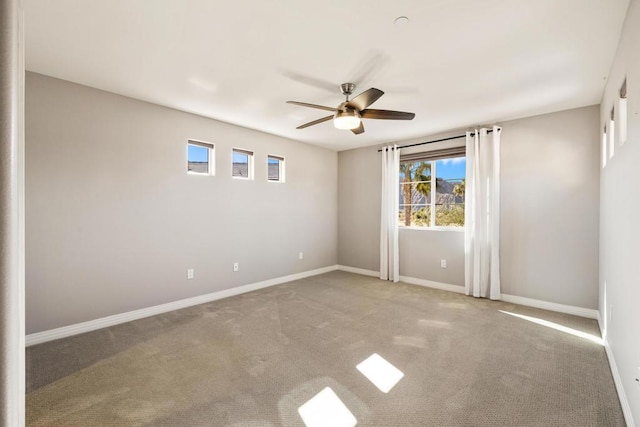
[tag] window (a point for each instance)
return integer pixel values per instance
(242, 164)
(622, 113)
(612, 127)
(200, 158)
(422, 207)
(604, 146)
(275, 168)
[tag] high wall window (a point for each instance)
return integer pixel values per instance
(275, 168)
(612, 133)
(604, 146)
(242, 164)
(420, 173)
(622, 113)
(200, 158)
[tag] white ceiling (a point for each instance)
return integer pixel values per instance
(457, 63)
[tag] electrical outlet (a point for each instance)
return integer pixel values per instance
(443, 263)
(300, 255)
(190, 273)
(236, 266)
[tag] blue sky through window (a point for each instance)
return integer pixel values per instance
(240, 158)
(454, 168)
(197, 153)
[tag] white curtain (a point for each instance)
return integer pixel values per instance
(482, 214)
(389, 264)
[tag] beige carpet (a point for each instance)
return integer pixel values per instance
(255, 359)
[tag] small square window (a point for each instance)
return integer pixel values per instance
(622, 113)
(612, 136)
(200, 158)
(604, 146)
(275, 168)
(242, 166)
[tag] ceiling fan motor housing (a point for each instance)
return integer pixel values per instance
(349, 114)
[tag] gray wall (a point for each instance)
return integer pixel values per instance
(550, 207)
(619, 227)
(549, 212)
(421, 252)
(359, 180)
(113, 219)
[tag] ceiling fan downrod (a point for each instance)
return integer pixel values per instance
(347, 89)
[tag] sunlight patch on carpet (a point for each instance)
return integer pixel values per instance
(380, 372)
(325, 409)
(557, 327)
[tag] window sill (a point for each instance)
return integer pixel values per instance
(199, 173)
(455, 229)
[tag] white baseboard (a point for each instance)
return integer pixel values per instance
(617, 379)
(545, 305)
(359, 271)
(432, 284)
(92, 325)
(405, 279)
(551, 306)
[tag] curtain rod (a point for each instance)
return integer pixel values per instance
(438, 140)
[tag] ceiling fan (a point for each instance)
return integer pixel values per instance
(349, 114)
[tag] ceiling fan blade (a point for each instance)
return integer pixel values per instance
(359, 129)
(366, 98)
(386, 115)
(310, 80)
(304, 104)
(315, 122)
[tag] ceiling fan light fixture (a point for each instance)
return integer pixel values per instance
(346, 119)
(349, 114)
